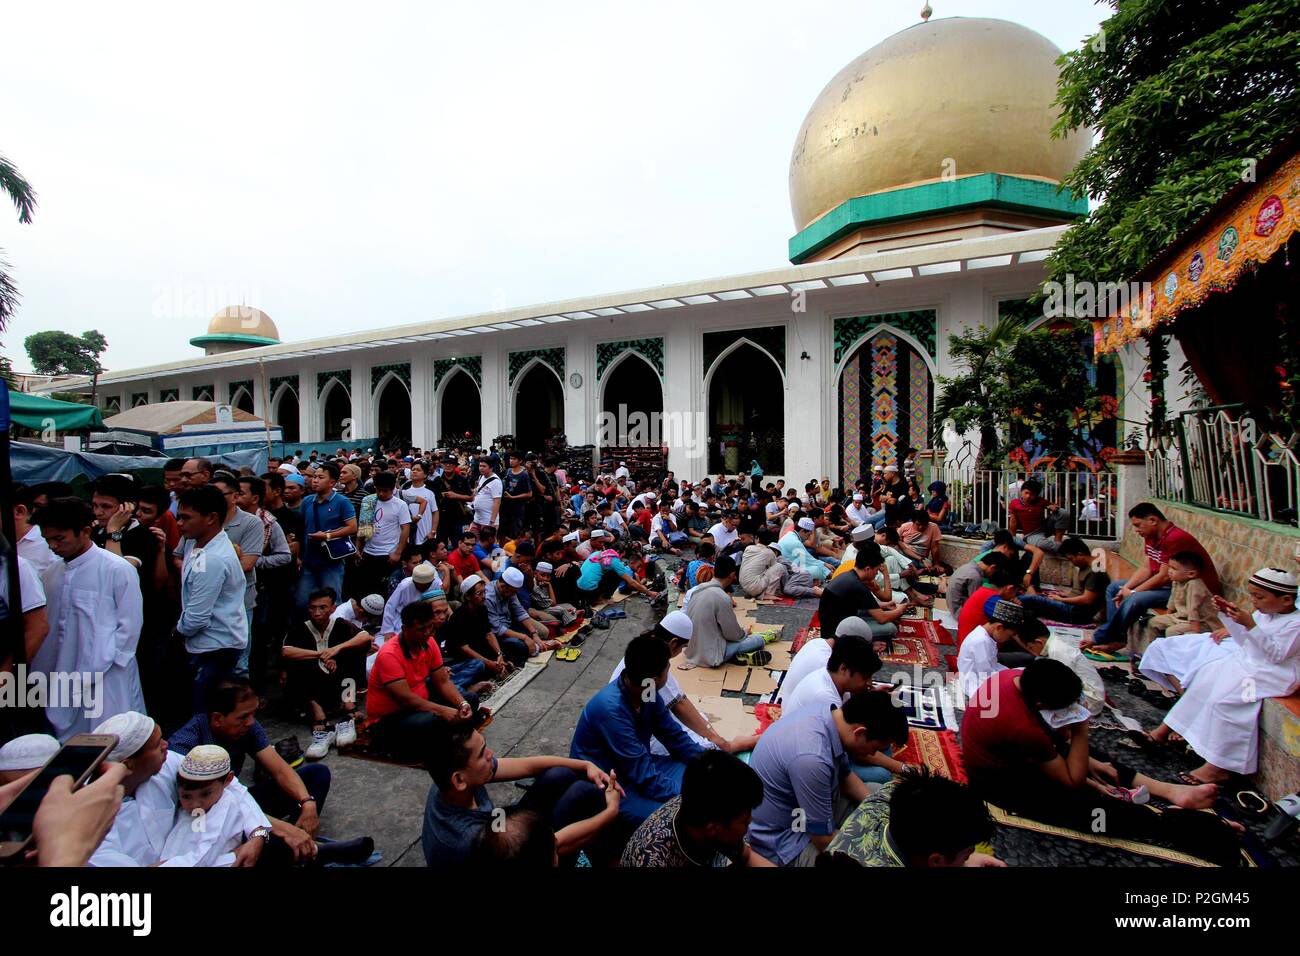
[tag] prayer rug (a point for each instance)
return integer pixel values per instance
(937, 750)
(803, 636)
(912, 650)
(1150, 850)
(932, 631)
(923, 706)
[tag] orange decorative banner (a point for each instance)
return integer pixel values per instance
(1249, 232)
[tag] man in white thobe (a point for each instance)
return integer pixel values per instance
(97, 625)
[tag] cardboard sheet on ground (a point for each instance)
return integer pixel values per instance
(734, 676)
(726, 714)
(699, 680)
(760, 682)
(781, 656)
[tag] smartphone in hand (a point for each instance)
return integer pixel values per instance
(79, 758)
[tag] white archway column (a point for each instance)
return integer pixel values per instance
(580, 404)
(310, 425)
(495, 407)
(423, 415)
(806, 454)
(686, 431)
(363, 404)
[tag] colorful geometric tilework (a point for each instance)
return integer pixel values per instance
(884, 400)
(919, 393)
(851, 419)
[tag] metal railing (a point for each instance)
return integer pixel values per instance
(1218, 460)
(980, 496)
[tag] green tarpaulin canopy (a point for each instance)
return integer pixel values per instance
(37, 413)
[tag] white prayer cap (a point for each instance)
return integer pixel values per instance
(133, 730)
(205, 762)
(571, 536)
(863, 532)
(467, 585)
(513, 577)
(880, 468)
(678, 624)
(854, 626)
(1276, 580)
(857, 498)
(600, 533)
(424, 573)
(893, 468)
(544, 567)
(28, 752)
(373, 604)
(288, 467)
(794, 506)
(806, 524)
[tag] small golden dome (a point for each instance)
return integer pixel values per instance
(954, 97)
(243, 320)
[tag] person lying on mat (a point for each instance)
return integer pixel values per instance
(618, 723)
(919, 820)
(1082, 608)
(577, 798)
(1026, 748)
(706, 824)
(675, 630)
(809, 787)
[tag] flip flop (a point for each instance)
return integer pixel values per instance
(568, 653)
(1106, 656)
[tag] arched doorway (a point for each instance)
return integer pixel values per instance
(286, 414)
(539, 407)
(886, 396)
(746, 412)
(632, 403)
(243, 401)
(394, 414)
(462, 410)
(337, 407)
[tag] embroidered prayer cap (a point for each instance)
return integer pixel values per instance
(288, 468)
(1274, 580)
(806, 524)
(373, 604)
(893, 468)
(600, 533)
(434, 594)
(513, 577)
(679, 625)
(467, 585)
(544, 567)
(863, 532)
(28, 752)
(133, 730)
(205, 762)
(857, 498)
(424, 573)
(1003, 611)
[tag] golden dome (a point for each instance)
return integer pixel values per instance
(243, 320)
(961, 96)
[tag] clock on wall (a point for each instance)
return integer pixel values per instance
(576, 380)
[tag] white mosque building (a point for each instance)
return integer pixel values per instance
(924, 188)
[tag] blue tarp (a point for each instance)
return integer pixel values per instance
(33, 463)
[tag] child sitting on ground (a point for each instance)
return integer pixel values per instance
(213, 818)
(1191, 605)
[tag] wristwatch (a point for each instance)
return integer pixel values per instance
(115, 536)
(263, 832)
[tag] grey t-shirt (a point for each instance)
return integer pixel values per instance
(247, 533)
(449, 830)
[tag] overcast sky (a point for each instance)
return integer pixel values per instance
(346, 166)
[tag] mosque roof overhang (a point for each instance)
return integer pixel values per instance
(694, 297)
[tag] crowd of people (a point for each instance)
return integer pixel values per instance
(384, 597)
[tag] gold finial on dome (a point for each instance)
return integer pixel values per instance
(927, 11)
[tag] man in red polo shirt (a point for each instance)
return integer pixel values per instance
(410, 689)
(1148, 587)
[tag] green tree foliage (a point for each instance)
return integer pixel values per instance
(23, 197)
(61, 353)
(1184, 96)
(1014, 384)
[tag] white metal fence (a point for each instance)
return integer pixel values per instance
(1218, 460)
(981, 495)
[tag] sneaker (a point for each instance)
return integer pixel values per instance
(345, 733)
(290, 751)
(320, 744)
(1137, 795)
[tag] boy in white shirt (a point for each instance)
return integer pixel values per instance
(212, 819)
(977, 660)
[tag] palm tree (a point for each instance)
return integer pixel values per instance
(24, 198)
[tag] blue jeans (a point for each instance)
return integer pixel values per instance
(241, 669)
(876, 520)
(209, 668)
(752, 643)
(1120, 619)
(321, 576)
(466, 673)
(869, 773)
(1059, 610)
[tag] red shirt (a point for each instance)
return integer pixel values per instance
(999, 731)
(645, 518)
(1174, 541)
(972, 612)
(167, 521)
(465, 564)
(1029, 518)
(391, 664)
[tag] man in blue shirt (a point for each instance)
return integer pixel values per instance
(617, 724)
(213, 622)
(808, 782)
(327, 516)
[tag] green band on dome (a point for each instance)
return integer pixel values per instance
(238, 337)
(992, 190)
